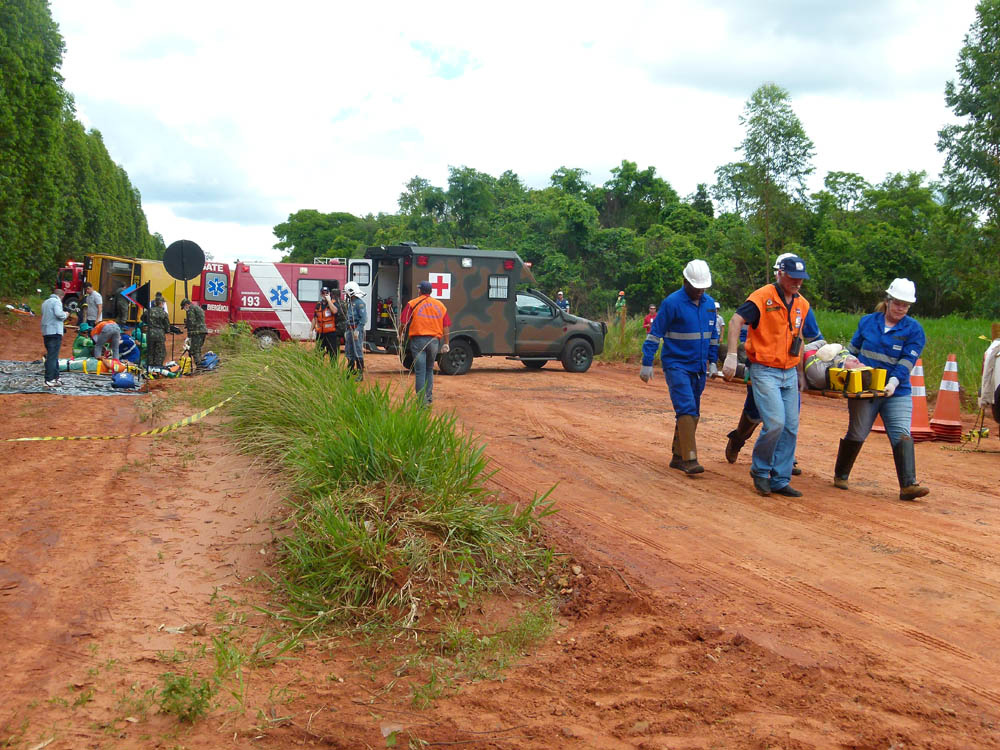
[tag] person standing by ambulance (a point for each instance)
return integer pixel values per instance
(775, 314)
(325, 325)
(158, 326)
(891, 340)
(354, 336)
(426, 322)
(194, 321)
(686, 324)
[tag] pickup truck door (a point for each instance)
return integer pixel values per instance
(538, 329)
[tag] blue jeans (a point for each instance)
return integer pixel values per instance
(53, 342)
(425, 351)
(895, 411)
(776, 394)
(685, 390)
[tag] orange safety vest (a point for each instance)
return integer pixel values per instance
(326, 321)
(426, 317)
(769, 343)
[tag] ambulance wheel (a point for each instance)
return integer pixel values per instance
(458, 360)
(534, 364)
(577, 355)
(267, 338)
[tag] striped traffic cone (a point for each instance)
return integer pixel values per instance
(947, 421)
(920, 428)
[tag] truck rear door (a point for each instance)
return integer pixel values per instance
(360, 272)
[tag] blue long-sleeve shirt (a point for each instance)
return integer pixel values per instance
(688, 330)
(896, 350)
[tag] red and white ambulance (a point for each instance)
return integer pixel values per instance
(277, 300)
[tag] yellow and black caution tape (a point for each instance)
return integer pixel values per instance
(155, 431)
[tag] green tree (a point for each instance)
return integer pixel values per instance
(633, 198)
(972, 165)
(777, 157)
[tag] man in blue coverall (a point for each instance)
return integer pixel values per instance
(686, 324)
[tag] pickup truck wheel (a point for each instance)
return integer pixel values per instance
(534, 364)
(577, 355)
(458, 360)
(267, 338)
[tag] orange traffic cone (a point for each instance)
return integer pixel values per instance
(920, 428)
(947, 421)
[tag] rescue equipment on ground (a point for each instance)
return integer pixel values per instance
(210, 361)
(123, 380)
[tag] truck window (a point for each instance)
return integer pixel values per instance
(65, 276)
(361, 273)
(499, 284)
(216, 287)
(530, 305)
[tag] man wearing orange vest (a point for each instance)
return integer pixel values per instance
(325, 325)
(775, 314)
(427, 323)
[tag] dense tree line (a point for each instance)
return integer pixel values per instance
(61, 195)
(636, 233)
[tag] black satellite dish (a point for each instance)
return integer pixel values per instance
(184, 260)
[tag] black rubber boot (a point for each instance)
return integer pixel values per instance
(738, 437)
(906, 470)
(847, 454)
(686, 426)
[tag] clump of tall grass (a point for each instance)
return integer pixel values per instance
(391, 510)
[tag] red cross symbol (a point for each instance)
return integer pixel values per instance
(439, 286)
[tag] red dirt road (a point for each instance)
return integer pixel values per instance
(705, 615)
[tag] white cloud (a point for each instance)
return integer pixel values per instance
(230, 115)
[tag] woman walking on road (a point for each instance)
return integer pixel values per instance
(891, 340)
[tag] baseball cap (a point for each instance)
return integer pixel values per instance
(793, 267)
(325, 289)
(424, 287)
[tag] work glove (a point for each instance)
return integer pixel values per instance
(729, 366)
(890, 387)
(646, 373)
(713, 370)
(445, 349)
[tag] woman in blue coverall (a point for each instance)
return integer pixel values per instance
(891, 340)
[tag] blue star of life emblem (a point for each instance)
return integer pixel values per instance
(217, 287)
(279, 295)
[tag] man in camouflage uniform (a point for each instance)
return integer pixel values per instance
(194, 321)
(156, 334)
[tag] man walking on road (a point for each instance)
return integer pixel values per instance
(53, 316)
(775, 314)
(426, 321)
(686, 324)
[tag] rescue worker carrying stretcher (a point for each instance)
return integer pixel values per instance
(686, 324)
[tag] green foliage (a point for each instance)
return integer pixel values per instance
(61, 195)
(185, 696)
(972, 169)
(391, 508)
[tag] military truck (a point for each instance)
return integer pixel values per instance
(492, 310)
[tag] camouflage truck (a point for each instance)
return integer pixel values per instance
(492, 310)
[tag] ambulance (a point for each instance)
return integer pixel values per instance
(277, 300)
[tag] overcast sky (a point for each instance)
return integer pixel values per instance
(230, 115)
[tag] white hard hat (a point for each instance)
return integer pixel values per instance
(697, 274)
(902, 289)
(351, 289)
(777, 261)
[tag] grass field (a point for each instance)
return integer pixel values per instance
(951, 335)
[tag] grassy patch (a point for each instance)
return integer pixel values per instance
(391, 517)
